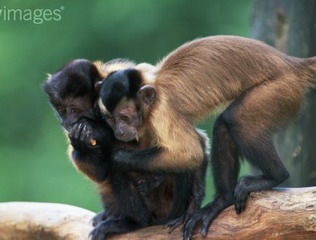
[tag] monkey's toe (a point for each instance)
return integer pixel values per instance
(101, 231)
(205, 215)
(98, 218)
(190, 225)
(241, 195)
(240, 205)
(174, 223)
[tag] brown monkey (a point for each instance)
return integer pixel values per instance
(132, 199)
(263, 87)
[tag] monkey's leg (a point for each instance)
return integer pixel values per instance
(131, 203)
(260, 152)
(251, 119)
(225, 166)
(197, 193)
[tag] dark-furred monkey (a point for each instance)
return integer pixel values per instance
(132, 200)
(262, 87)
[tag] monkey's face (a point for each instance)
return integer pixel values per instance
(129, 113)
(71, 91)
(70, 110)
(125, 103)
(124, 120)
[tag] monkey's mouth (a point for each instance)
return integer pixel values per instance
(127, 137)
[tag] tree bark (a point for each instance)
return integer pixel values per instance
(283, 214)
(290, 26)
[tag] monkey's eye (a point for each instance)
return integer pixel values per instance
(123, 118)
(61, 109)
(109, 118)
(75, 110)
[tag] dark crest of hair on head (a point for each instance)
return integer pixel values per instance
(73, 79)
(119, 84)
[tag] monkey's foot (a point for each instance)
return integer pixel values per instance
(107, 228)
(248, 184)
(205, 215)
(241, 194)
(101, 231)
(99, 217)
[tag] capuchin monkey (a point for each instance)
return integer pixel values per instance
(262, 87)
(132, 199)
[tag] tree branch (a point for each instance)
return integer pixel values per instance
(282, 214)
(30, 220)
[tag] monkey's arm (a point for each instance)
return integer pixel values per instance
(91, 160)
(182, 152)
(138, 160)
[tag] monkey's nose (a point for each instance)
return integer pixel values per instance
(120, 133)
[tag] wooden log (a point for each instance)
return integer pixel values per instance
(281, 214)
(43, 221)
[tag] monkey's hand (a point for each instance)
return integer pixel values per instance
(92, 160)
(86, 134)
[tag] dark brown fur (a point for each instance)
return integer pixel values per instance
(131, 199)
(161, 200)
(263, 88)
(211, 72)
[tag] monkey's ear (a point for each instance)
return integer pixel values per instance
(147, 94)
(97, 86)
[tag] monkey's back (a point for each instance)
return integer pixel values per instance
(211, 71)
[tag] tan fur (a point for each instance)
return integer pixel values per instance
(106, 68)
(162, 199)
(148, 72)
(203, 74)
(84, 167)
(103, 109)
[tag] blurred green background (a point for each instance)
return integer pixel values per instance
(33, 162)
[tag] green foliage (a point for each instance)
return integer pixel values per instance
(33, 162)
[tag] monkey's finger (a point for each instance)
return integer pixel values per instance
(83, 134)
(172, 228)
(190, 225)
(187, 233)
(78, 131)
(173, 224)
(240, 206)
(206, 222)
(75, 131)
(97, 234)
(241, 196)
(73, 140)
(72, 131)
